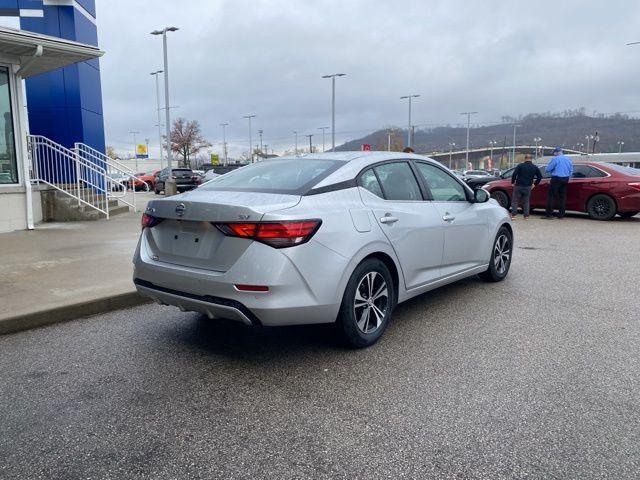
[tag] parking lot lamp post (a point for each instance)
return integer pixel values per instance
(135, 147)
(295, 151)
(249, 117)
(333, 106)
(323, 130)
(310, 143)
(513, 155)
(468, 114)
(492, 144)
(170, 184)
(537, 140)
(409, 127)
(451, 145)
(620, 144)
(224, 142)
(260, 132)
(157, 75)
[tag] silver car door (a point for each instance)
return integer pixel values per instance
(467, 236)
(411, 224)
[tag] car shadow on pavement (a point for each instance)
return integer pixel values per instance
(234, 340)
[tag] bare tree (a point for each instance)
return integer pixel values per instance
(187, 139)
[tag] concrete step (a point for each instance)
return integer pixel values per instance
(118, 210)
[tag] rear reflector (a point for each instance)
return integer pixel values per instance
(276, 234)
(252, 288)
(635, 185)
(149, 221)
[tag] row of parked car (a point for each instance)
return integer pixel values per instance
(186, 179)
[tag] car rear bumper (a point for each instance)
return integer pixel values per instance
(293, 298)
(629, 203)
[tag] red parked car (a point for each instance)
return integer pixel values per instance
(601, 190)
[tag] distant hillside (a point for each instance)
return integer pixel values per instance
(567, 130)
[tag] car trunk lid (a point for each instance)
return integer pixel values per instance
(186, 236)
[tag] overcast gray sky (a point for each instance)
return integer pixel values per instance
(233, 57)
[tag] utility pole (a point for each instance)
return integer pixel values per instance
(451, 145)
(468, 114)
(157, 75)
(249, 117)
(323, 129)
(224, 142)
(310, 144)
(409, 97)
(295, 152)
(260, 132)
(333, 106)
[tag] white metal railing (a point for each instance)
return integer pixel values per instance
(64, 170)
(114, 169)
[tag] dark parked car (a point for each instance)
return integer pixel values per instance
(602, 190)
(184, 177)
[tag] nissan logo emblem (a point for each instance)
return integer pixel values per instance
(180, 209)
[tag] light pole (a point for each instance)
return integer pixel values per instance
(260, 132)
(295, 152)
(451, 145)
(310, 144)
(156, 74)
(323, 130)
(537, 140)
(468, 114)
(170, 184)
(249, 117)
(620, 144)
(388, 140)
(224, 142)
(135, 147)
(513, 155)
(409, 97)
(588, 138)
(333, 106)
(492, 144)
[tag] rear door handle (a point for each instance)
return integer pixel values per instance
(448, 218)
(388, 218)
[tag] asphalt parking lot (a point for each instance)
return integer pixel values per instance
(535, 377)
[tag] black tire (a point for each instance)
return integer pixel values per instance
(628, 214)
(499, 264)
(156, 190)
(502, 198)
(147, 187)
(601, 207)
(362, 323)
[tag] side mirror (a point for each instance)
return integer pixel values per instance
(480, 195)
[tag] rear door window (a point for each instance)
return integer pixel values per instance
(398, 181)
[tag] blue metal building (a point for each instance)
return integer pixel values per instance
(64, 105)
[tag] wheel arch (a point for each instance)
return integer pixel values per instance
(502, 190)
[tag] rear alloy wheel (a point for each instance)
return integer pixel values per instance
(628, 214)
(500, 257)
(601, 207)
(501, 197)
(367, 304)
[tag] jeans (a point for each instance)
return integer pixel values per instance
(557, 194)
(521, 196)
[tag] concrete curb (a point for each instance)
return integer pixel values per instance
(71, 312)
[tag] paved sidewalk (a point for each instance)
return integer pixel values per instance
(67, 270)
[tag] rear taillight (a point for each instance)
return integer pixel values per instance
(635, 185)
(275, 234)
(149, 221)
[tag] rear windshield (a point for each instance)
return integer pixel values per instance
(293, 176)
(623, 169)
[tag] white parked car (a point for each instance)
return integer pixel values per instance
(332, 237)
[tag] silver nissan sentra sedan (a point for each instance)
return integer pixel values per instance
(332, 237)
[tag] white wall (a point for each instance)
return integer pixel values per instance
(13, 209)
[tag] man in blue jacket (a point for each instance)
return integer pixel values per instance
(560, 168)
